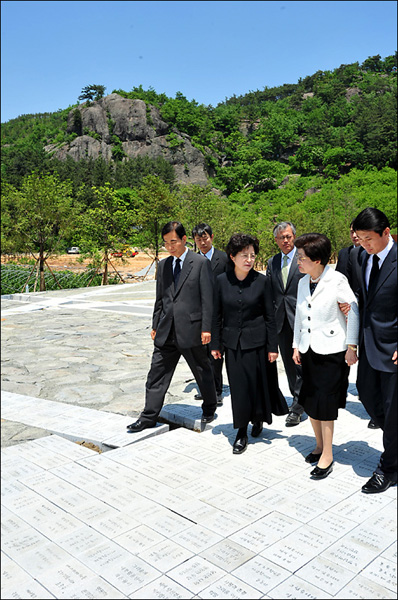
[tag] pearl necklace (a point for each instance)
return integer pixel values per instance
(315, 280)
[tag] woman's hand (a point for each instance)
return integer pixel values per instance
(345, 307)
(153, 334)
(296, 357)
(216, 354)
(395, 357)
(351, 357)
(272, 356)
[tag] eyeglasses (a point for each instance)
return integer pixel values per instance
(301, 258)
(248, 256)
(285, 237)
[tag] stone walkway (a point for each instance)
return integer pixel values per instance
(169, 512)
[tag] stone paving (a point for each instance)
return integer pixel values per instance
(169, 512)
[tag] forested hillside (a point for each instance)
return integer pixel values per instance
(315, 152)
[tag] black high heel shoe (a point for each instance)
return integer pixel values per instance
(240, 444)
(319, 473)
(312, 458)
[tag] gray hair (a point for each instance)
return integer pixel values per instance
(282, 226)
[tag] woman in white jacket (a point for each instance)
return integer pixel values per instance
(324, 343)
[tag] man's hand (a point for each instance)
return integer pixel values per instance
(206, 337)
(272, 356)
(296, 357)
(216, 354)
(395, 357)
(351, 357)
(153, 334)
(345, 308)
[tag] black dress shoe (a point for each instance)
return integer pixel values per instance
(379, 482)
(240, 445)
(208, 418)
(139, 426)
(292, 419)
(373, 425)
(319, 473)
(198, 397)
(257, 428)
(312, 458)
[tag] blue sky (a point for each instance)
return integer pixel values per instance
(207, 50)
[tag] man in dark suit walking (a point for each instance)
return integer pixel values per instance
(348, 265)
(284, 276)
(181, 326)
(377, 368)
(203, 236)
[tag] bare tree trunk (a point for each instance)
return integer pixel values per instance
(105, 275)
(42, 282)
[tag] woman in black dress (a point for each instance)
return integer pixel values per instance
(244, 325)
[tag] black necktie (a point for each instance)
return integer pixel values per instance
(177, 271)
(374, 273)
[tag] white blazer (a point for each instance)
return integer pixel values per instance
(319, 323)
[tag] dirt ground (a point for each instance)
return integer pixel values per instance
(124, 265)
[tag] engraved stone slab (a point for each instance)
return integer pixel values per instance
(168, 524)
(326, 575)
(262, 574)
(391, 552)
(166, 555)
(383, 572)
(196, 574)
(230, 587)
(294, 587)
(227, 555)
(77, 541)
(43, 559)
(96, 587)
(67, 573)
(131, 575)
(333, 524)
(361, 587)
(296, 549)
(358, 508)
(266, 531)
(224, 524)
(300, 510)
(23, 541)
(163, 587)
(11, 524)
(197, 538)
(139, 539)
(27, 588)
(103, 557)
(350, 554)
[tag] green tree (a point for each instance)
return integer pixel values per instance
(156, 206)
(106, 224)
(38, 217)
(92, 92)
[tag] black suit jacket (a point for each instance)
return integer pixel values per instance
(379, 314)
(243, 313)
(189, 307)
(343, 261)
(219, 262)
(284, 300)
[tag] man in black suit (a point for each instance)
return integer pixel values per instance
(347, 264)
(203, 236)
(181, 326)
(344, 264)
(284, 276)
(377, 368)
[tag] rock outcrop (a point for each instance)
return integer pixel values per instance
(138, 130)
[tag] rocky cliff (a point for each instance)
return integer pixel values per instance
(137, 130)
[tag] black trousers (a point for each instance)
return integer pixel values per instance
(293, 371)
(378, 393)
(216, 365)
(164, 363)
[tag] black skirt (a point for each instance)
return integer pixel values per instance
(325, 382)
(253, 382)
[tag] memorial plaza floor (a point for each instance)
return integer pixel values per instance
(90, 511)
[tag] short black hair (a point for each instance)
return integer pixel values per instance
(317, 246)
(202, 229)
(371, 219)
(239, 241)
(174, 226)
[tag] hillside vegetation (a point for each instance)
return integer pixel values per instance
(315, 152)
